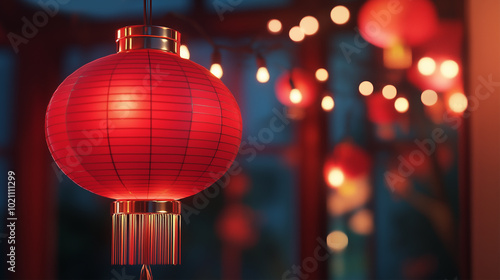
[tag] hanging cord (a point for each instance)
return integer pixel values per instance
(148, 20)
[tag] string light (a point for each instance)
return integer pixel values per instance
(327, 103)
(336, 177)
(295, 96)
(429, 97)
(340, 14)
(262, 72)
(449, 69)
(216, 68)
(184, 52)
(426, 66)
(296, 34)
(309, 25)
(458, 102)
(389, 92)
(365, 88)
(401, 104)
(321, 74)
(274, 26)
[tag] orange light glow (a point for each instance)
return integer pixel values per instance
(337, 241)
(295, 96)
(274, 26)
(216, 70)
(389, 92)
(426, 66)
(340, 14)
(321, 74)
(366, 88)
(401, 104)
(362, 222)
(309, 25)
(429, 97)
(262, 75)
(449, 69)
(335, 177)
(457, 102)
(184, 52)
(397, 56)
(296, 34)
(327, 103)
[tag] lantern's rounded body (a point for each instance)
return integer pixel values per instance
(143, 124)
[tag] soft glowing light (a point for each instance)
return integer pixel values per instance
(337, 241)
(327, 103)
(457, 102)
(340, 14)
(274, 26)
(366, 88)
(336, 177)
(296, 34)
(362, 222)
(262, 75)
(426, 66)
(401, 104)
(295, 96)
(321, 74)
(389, 92)
(449, 69)
(309, 25)
(184, 52)
(216, 69)
(429, 97)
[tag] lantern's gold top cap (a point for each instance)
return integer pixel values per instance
(136, 37)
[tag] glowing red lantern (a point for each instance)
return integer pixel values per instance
(380, 110)
(297, 88)
(385, 23)
(147, 128)
(346, 161)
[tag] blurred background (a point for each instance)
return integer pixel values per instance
(370, 140)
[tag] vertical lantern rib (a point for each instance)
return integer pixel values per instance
(151, 122)
(190, 125)
(220, 132)
(107, 127)
(67, 130)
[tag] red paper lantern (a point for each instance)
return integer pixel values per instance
(297, 88)
(385, 23)
(143, 125)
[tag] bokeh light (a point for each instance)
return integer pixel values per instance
(309, 25)
(449, 69)
(457, 102)
(389, 92)
(262, 75)
(340, 14)
(216, 70)
(274, 26)
(296, 34)
(401, 104)
(327, 103)
(426, 66)
(429, 97)
(366, 88)
(184, 52)
(362, 222)
(321, 74)
(337, 241)
(335, 177)
(295, 96)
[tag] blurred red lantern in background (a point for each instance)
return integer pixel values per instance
(380, 110)
(437, 63)
(385, 23)
(346, 161)
(297, 88)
